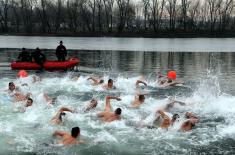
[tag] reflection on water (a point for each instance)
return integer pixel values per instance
(208, 88)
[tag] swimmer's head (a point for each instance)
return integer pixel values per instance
(175, 117)
(101, 81)
(11, 86)
(110, 82)
(118, 111)
(169, 80)
(141, 98)
(61, 42)
(75, 132)
(29, 102)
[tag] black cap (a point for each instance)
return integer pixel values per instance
(61, 42)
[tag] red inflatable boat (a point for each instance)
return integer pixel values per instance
(48, 65)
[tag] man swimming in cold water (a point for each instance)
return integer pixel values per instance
(12, 87)
(68, 139)
(167, 121)
(96, 81)
(57, 119)
(109, 85)
(107, 115)
(139, 98)
(93, 103)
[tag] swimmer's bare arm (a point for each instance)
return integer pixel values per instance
(60, 133)
(162, 114)
(90, 106)
(171, 104)
(138, 82)
(192, 117)
(60, 111)
(107, 102)
(94, 80)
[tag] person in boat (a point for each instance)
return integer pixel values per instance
(109, 85)
(68, 139)
(57, 119)
(39, 57)
(107, 115)
(96, 81)
(92, 105)
(24, 56)
(61, 52)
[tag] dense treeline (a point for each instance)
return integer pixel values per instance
(75, 17)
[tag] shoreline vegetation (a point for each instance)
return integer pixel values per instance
(139, 34)
(119, 18)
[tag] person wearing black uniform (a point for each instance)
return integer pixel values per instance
(24, 56)
(39, 57)
(61, 52)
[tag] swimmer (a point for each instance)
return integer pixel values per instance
(186, 126)
(107, 115)
(190, 123)
(92, 105)
(138, 82)
(139, 99)
(57, 119)
(21, 97)
(109, 85)
(68, 139)
(48, 99)
(12, 87)
(29, 102)
(169, 82)
(96, 81)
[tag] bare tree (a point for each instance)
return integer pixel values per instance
(145, 11)
(157, 8)
(92, 5)
(5, 5)
(171, 8)
(184, 12)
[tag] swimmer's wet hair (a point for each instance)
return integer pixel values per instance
(75, 132)
(110, 80)
(30, 99)
(101, 81)
(141, 97)
(10, 83)
(175, 116)
(118, 111)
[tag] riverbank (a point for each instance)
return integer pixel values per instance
(136, 34)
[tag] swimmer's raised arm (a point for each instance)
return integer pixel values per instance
(107, 102)
(93, 79)
(162, 114)
(66, 109)
(139, 81)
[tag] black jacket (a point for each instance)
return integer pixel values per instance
(61, 50)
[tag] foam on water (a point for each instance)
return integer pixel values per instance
(28, 131)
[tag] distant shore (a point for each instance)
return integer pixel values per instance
(142, 34)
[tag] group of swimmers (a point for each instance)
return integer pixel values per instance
(162, 120)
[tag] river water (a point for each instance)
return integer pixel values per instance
(209, 88)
